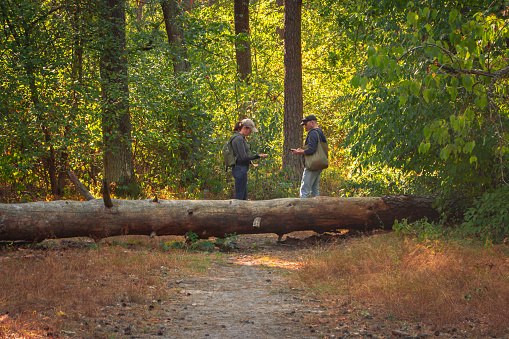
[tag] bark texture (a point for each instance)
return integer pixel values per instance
(207, 218)
(175, 34)
(242, 44)
(116, 120)
(293, 102)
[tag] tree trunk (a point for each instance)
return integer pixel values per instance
(293, 101)
(207, 218)
(188, 148)
(175, 34)
(116, 121)
(242, 44)
(242, 56)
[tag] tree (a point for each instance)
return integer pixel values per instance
(435, 106)
(242, 44)
(188, 141)
(175, 34)
(242, 53)
(116, 122)
(293, 108)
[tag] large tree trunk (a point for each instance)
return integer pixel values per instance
(242, 56)
(175, 35)
(293, 102)
(242, 44)
(207, 218)
(116, 120)
(188, 148)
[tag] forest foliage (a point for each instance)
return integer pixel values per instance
(412, 98)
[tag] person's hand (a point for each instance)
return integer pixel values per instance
(298, 151)
(254, 165)
(261, 155)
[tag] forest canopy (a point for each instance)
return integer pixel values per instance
(412, 97)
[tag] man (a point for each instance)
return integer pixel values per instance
(310, 179)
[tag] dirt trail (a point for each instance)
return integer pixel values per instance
(239, 301)
(247, 296)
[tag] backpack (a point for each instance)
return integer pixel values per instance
(228, 156)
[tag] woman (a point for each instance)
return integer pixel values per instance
(243, 159)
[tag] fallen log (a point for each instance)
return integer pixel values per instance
(37, 221)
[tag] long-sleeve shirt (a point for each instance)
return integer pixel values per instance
(312, 141)
(241, 150)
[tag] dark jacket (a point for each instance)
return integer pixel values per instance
(241, 150)
(312, 141)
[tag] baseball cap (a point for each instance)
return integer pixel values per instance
(249, 123)
(308, 118)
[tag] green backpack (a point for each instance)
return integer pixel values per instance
(228, 156)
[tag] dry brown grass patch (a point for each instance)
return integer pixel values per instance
(438, 283)
(53, 286)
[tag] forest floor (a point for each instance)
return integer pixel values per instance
(247, 294)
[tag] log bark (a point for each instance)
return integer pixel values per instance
(37, 221)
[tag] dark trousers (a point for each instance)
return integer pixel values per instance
(240, 175)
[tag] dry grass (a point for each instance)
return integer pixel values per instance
(53, 286)
(437, 283)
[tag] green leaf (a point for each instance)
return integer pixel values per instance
(482, 102)
(455, 123)
(453, 14)
(445, 153)
(356, 81)
(429, 95)
(467, 81)
(434, 14)
(453, 92)
(482, 61)
(424, 147)
(427, 132)
(426, 12)
(469, 114)
(469, 147)
(402, 100)
(364, 83)
(410, 18)
(414, 88)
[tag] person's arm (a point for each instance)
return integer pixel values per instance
(314, 139)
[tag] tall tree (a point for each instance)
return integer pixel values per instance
(242, 52)
(175, 36)
(116, 122)
(188, 141)
(293, 102)
(242, 44)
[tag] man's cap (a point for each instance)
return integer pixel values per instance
(308, 118)
(249, 123)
